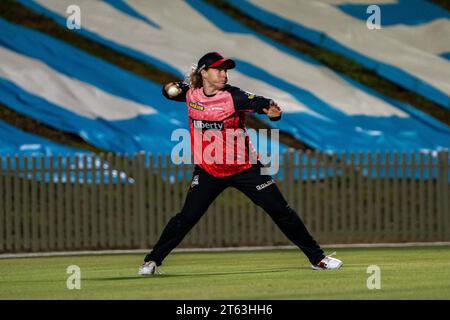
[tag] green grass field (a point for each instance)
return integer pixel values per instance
(406, 273)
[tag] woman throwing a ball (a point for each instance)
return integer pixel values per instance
(215, 107)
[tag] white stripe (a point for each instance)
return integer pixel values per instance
(432, 37)
(76, 96)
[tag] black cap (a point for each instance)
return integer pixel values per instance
(214, 59)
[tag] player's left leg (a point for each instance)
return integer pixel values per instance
(262, 190)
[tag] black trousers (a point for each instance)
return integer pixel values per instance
(261, 189)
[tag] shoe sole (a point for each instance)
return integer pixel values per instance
(146, 273)
(319, 268)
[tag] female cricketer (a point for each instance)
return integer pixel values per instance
(215, 107)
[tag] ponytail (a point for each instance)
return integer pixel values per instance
(195, 79)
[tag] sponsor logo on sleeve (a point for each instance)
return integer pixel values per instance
(196, 106)
(250, 95)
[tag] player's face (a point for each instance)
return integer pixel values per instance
(216, 77)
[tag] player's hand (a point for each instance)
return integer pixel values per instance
(167, 86)
(172, 89)
(273, 111)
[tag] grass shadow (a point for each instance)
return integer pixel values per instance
(196, 274)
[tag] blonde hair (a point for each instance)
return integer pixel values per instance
(194, 78)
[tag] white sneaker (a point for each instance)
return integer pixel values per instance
(147, 268)
(328, 263)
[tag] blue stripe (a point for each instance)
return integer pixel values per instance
(125, 8)
(149, 132)
(445, 55)
(14, 141)
(365, 133)
(419, 116)
(223, 21)
(406, 12)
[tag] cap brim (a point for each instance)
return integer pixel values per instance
(229, 63)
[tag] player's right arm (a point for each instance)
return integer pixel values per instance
(183, 89)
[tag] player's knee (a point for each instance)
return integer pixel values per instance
(282, 212)
(186, 219)
(276, 206)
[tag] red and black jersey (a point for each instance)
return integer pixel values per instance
(219, 140)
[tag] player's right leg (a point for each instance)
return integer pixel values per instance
(202, 192)
(263, 191)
